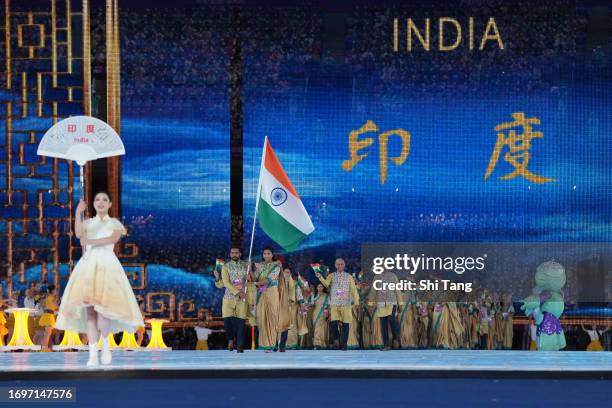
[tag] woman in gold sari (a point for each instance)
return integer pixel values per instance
(500, 327)
(307, 340)
(376, 338)
(408, 326)
(288, 312)
(465, 320)
(374, 326)
(437, 333)
(366, 318)
(423, 325)
(353, 337)
(306, 314)
(443, 330)
(488, 327)
(449, 331)
(301, 318)
(320, 316)
(474, 328)
(456, 327)
(266, 279)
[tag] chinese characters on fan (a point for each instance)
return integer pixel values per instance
(515, 135)
(89, 128)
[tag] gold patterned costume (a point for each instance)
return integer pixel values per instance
(233, 275)
(343, 294)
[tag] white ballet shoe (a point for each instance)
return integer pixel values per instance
(93, 356)
(106, 353)
(106, 357)
(93, 361)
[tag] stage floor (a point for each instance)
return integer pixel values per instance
(307, 363)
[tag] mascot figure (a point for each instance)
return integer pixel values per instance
(546, 305)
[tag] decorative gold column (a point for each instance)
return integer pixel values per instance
(113, 96)
(87, 85)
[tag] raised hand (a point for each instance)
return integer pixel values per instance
(81, 207)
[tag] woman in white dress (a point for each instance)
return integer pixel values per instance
(98, 299)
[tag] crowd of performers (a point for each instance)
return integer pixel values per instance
(42, 299)
(342, 311)
(338, 311)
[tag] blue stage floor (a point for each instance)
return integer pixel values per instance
(295, 363)
(354, 379)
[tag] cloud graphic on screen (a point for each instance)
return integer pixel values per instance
(180, 179)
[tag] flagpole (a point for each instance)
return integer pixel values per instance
(263, 156)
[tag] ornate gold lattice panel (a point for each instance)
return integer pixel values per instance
(44, 52)
(45, 77)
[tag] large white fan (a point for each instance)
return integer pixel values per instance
(82, 139)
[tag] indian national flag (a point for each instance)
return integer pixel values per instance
(322, 269)
(280, 211)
